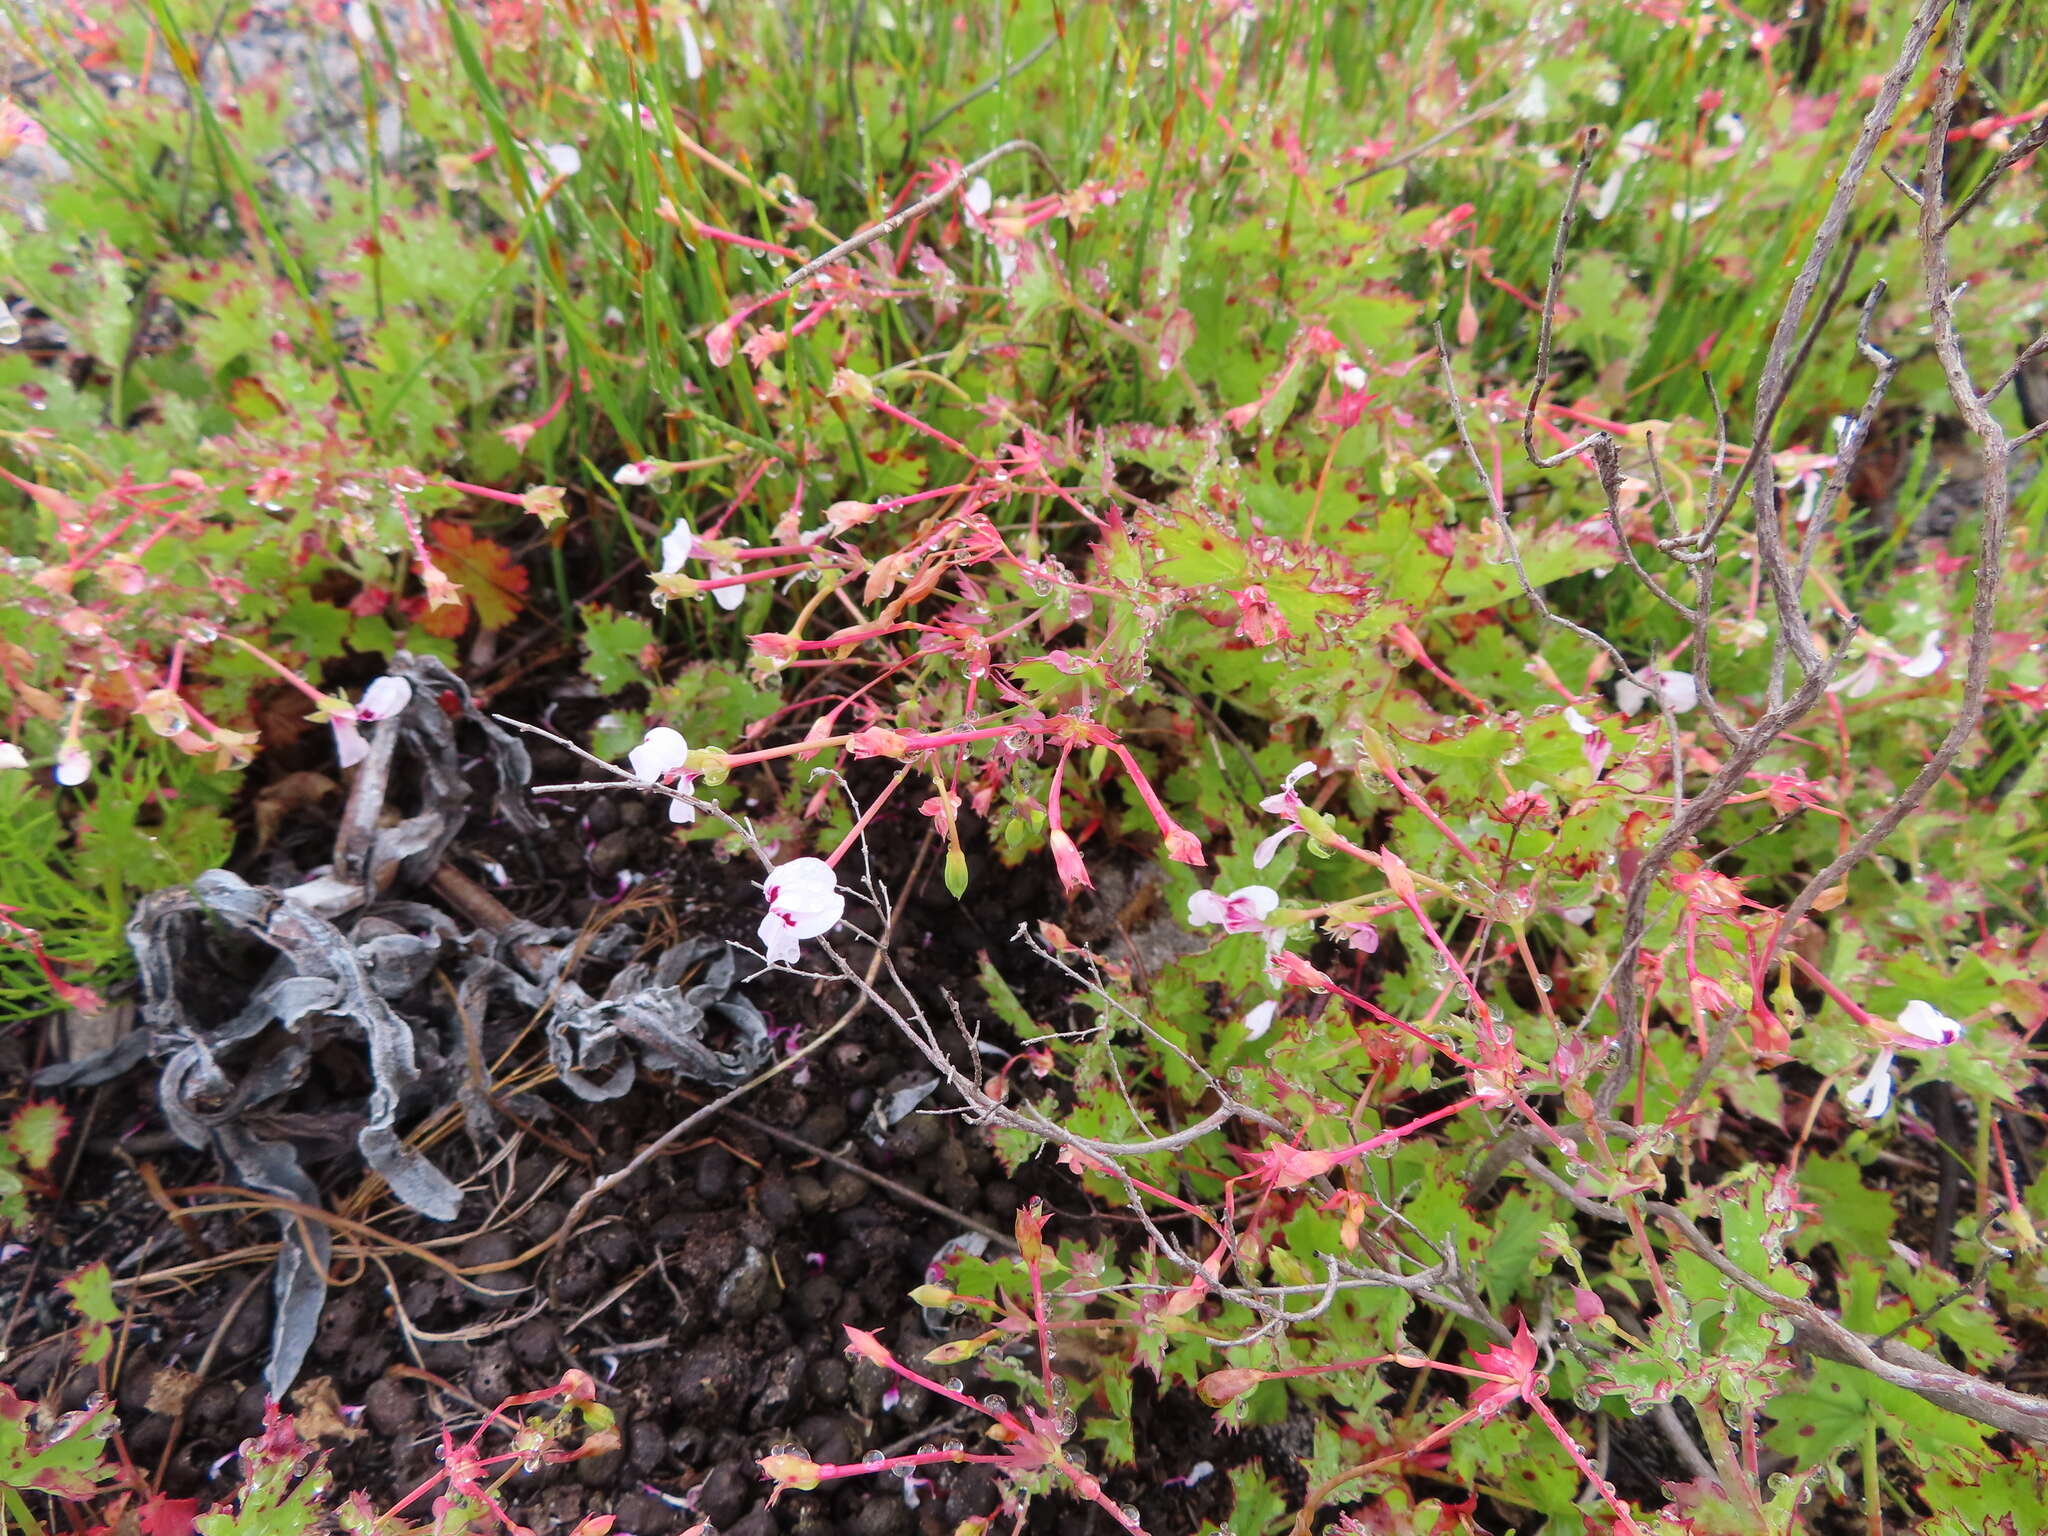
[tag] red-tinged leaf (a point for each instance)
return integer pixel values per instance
(160, 1516)
(483, 570)
(35, 1133)
(92, 1292)
(66, 1463)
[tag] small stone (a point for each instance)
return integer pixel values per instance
(778, 1202)
(390, 1407)
(492, 1375)
(882, 1515)
(646, 1516)
(827, 1380)
(724, 1496)
(536, 1342)
(749, 1290)
(612, 854)
(601, 1470)
(781, 1394)
(714, 1174)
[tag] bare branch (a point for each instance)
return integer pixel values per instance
(1547, 321)
(2034, 139)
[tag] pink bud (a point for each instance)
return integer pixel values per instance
(1068, 863)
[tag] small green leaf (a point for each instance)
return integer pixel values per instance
(34, 1133)
(92, 1292)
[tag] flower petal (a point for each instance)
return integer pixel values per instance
(676, 545)
(1206, 907)
(1263, 854)
(1260, 899)
(349, 746)
(1927, 1026)
(659, 754)
(1927, 662)
(1260, 1019)
(384, 698)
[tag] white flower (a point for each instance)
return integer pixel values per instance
(676, 545)
(693, 55)
(1925, 1026)
(383, 699)
(1285, 802)
(562, 159)
(1534, 103)
(1864, 677)
(1260, 1019)
(639, 472)
(662, 753)
(1927, 661)
(1349, 374)
(1580, 725)
(12, 756)
(1873, 1096)
(979, 198)
(1635, 144)
(74, 765)
(1691, 211)
(1679, 691)
(679, 544)
(360, 26)
(1242, 911)
(803, 902)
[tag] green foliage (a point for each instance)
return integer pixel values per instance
(27, 1149)
(1140, 483)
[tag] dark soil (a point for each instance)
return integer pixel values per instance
(706, 1294)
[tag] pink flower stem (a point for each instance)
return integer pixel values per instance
(284, 672)
(486, 491)
(750, 578)
(1374, 1011)
(1833, 991)
(1412, 1362)
(833, 1471)
(1167, 825)
(1415, 798)
(929, 431)
(853, 833)
(744, 242)
(765, 551)
(1623, 1519)
(1388, 1138)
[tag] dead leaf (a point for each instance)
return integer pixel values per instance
(483, 569)
(170, 1389)
(319, 1411)
(290, 796)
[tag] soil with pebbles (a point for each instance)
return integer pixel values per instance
(706, 1294)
